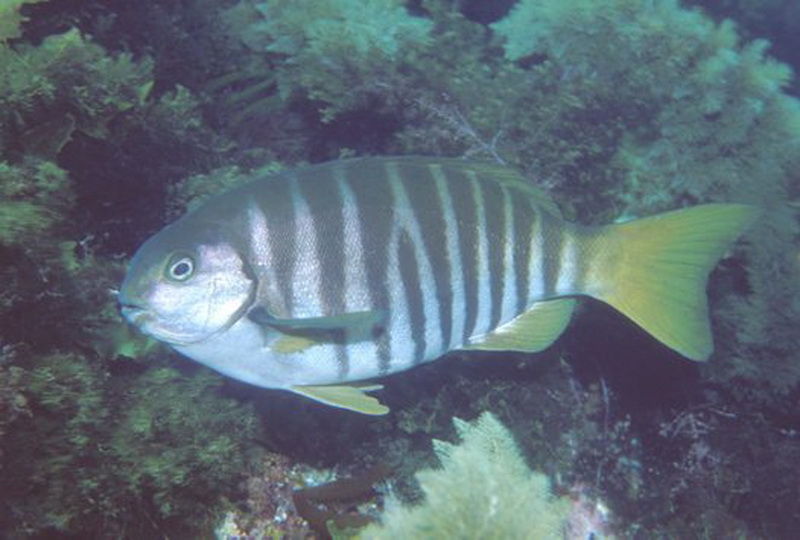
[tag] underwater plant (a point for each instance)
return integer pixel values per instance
(74, 86)
(483, 489)
(91, 454)
(11, 19)
(325, 49)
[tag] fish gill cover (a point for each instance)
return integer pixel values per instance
(117, 116)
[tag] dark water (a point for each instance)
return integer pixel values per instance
(115, 117)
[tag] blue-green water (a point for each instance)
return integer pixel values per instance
(118, 117)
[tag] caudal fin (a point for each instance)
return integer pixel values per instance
(654, 270)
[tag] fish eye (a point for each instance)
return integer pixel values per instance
(181, 268)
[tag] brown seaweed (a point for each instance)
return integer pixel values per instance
(334, 501)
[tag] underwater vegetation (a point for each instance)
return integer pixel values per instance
(483, 489)
(116, 117)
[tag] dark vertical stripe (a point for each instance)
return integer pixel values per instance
(409, 275)
(320, 191)
(428, 209)
(525, 221)
(496, 235)
(464, 209)
(553, 241)
(368, 181)
(275, 201)
(322, 196)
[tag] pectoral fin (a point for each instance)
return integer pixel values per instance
(347, 322)
(353, 397)
(532, 331)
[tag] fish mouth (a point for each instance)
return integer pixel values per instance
(146, 321)
(132, 312)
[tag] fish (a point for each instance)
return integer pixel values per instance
(319, 280)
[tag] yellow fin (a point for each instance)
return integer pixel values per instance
(353, 397)
(532, 331)
(655, 269)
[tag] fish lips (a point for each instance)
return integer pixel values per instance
(137, 315)
(134, 313)
(142, 318)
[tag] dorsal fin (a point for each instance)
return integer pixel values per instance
(511, 178)
(507, 176)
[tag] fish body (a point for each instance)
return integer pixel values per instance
(310, 279)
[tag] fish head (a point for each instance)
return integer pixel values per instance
(183, 287)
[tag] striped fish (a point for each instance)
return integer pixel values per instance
(310, 279)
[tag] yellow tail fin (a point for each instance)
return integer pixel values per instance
(654, 270)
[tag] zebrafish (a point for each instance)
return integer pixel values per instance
(309, 280)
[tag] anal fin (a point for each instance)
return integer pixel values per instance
(531, 331)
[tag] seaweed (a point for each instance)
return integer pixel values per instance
(117, 458)
(320, 48)
(484, 489)
(333, 495)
